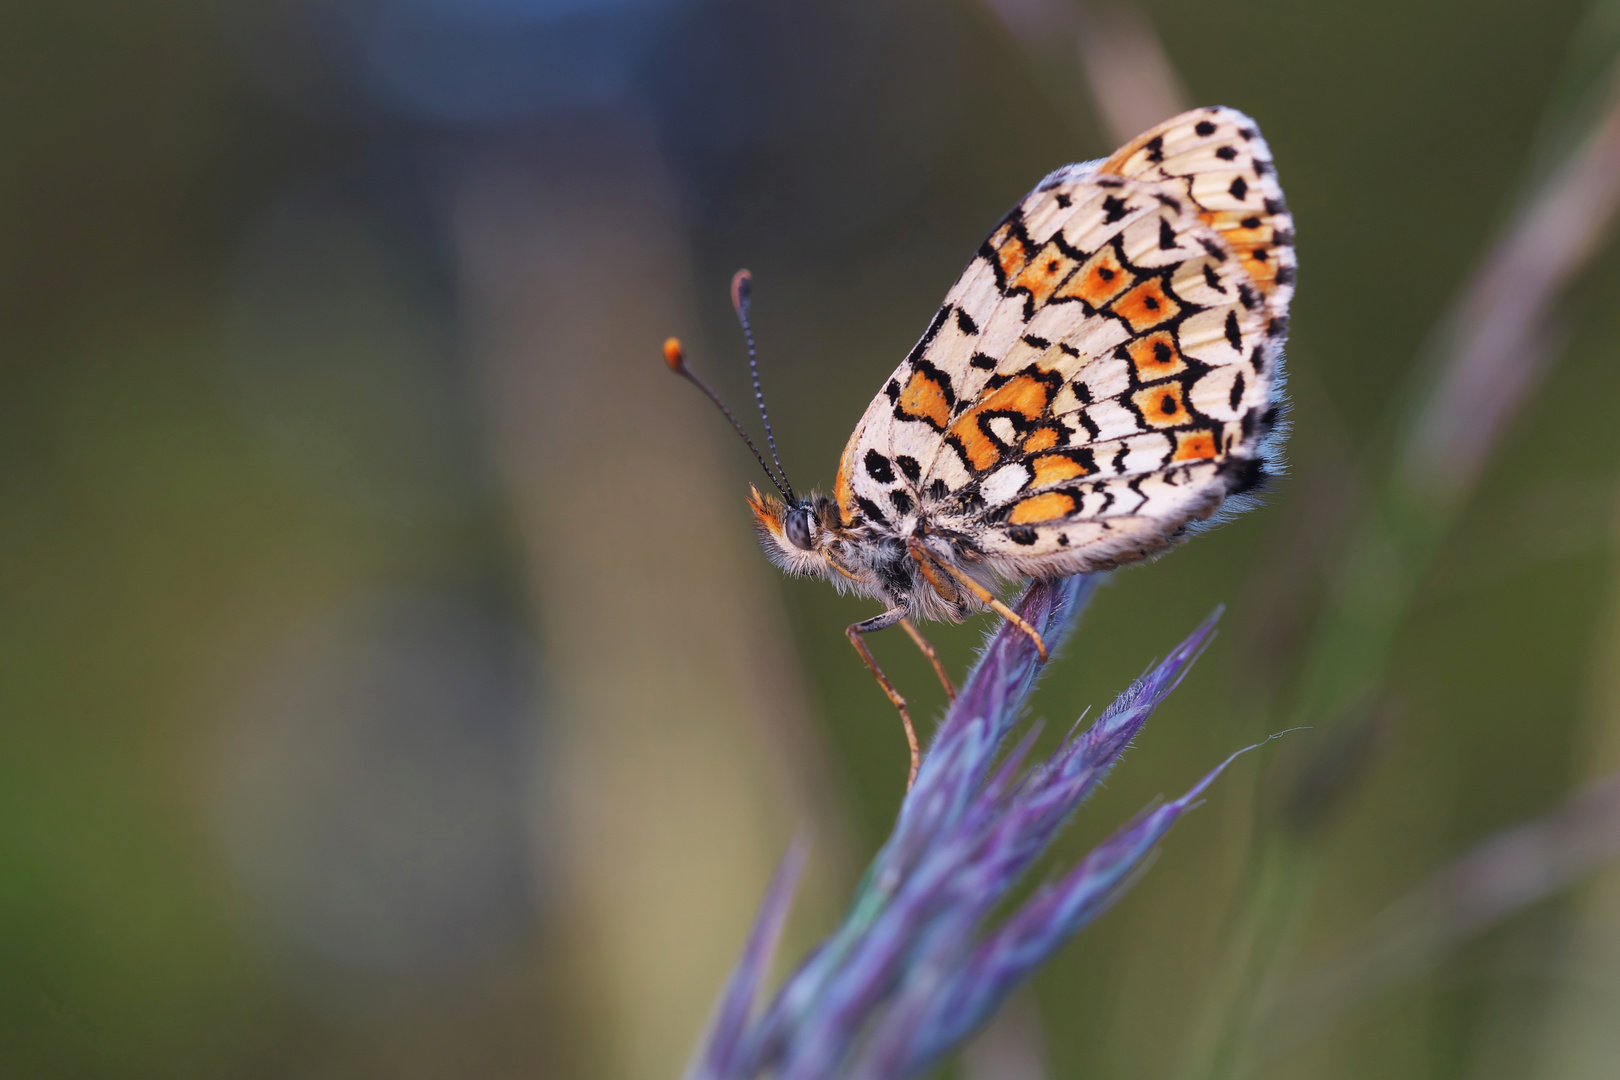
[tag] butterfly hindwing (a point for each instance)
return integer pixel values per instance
(1104, 371)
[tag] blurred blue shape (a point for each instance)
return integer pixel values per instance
(495, 61)
(497, 14)
(453, 63)
(426, 64)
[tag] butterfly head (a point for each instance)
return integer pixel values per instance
(797, 535)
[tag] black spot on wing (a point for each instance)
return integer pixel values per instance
(983, 362)
(893, 391)
(1239, 189)
(1022, 535)
(909, 468)
(1167, 236)
(1227, 153)
(1155, 149)
(1233, 334)
(937, 491)
(870, 509)
(1204, 128)
(902, 502)
(965, 323)
(1114, 209)
(877, 467)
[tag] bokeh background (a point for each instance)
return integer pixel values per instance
(389, 682)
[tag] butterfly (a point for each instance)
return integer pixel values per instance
(1103, 379)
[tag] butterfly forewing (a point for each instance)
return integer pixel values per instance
(1105, 369)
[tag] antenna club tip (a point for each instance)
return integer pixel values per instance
(742, 288)
(674, 356)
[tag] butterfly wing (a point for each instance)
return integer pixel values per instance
(1106, 370)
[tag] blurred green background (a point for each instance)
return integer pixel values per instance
(389, 684)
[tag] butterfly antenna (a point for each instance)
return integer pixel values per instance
(742, 291)
(675, 357)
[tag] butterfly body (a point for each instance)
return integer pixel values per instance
(1104, 376)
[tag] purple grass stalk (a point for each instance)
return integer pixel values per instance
(947, 1013)
(728, 1027)
(912, 971)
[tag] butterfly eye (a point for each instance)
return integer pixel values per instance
(797, 527)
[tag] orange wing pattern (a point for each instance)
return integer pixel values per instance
(1107, 368)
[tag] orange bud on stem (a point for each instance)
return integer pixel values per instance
(673, 356)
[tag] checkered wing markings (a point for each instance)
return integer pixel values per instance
(1217, 159)
(1105, 366)
(1124, 423)
(982, 318)
(1025, 281)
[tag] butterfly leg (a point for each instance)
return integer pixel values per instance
(881, 622)
(927, 650)
(925, 559)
